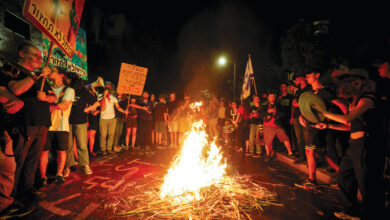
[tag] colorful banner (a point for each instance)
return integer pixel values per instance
(131, 79)
(77, 64)
(58, 19)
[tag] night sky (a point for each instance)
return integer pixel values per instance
(180, 42)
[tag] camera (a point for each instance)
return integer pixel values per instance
(10, 69)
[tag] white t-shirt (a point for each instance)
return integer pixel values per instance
(109, 112)
(60, 119)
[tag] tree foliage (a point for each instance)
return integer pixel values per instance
(304, 47)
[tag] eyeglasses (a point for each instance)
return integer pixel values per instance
(36, 56)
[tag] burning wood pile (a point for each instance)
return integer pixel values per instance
(196, 186)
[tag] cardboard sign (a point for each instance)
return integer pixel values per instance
(59, 20)
(131, 79)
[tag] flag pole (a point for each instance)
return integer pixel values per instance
(254, 84)
(253, 78)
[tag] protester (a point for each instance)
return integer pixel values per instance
(58, 135)
(232, 116)
(184, 120)
(145, 122)
(312, 136)
(131, 125)
(212, 120)
(255, 120)
(92, 122)
(78, 127)
(271, 127)
(284, 100)
(29, 128)
(107, 123)
(362, 165)
(161, 119)
(120, 122)
(300, 82)
(222, 116)
(173, 124)
(242, 123)
(10, 106)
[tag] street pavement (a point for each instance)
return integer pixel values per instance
(115, 177)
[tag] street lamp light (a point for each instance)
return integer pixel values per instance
(222, 62)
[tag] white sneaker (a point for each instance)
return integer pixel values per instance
(87, 170)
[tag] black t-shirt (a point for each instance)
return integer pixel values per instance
(82, 98)
(161, 108)
(284, 106)
(172, 108)
(255, 110)
(35, 112)
(144, 115)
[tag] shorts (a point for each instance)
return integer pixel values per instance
(93, 122)
(159, 126)
(173, 126)
(131, 123)
(57, 140)
(270, 132)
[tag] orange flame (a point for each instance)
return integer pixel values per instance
(192, 169)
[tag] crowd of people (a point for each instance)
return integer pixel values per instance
(50, 120)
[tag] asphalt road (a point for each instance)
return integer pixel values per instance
(116, 177)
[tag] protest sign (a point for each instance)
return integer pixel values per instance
(131, 79)
(59, 20)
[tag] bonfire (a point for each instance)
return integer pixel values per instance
(197, 186)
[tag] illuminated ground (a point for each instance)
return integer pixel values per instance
(116, 176)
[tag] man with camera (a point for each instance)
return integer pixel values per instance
(23, 128)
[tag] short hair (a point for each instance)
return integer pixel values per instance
(161, 96)
(24, 47)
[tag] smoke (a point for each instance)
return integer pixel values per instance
(231, 29)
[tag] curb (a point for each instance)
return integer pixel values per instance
(321, 175)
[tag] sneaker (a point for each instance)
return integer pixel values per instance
(42, 182)
(32, 193)
(87, 170)
(17, 210)
(66, 172)
(310, 183)
(59, 180)
(117, 149)
(256, 155)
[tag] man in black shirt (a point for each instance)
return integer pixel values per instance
(255, 121)
(173, 124)
(300, 82)
(36, 119)
(145, 122)
(312, 136)
(19, 139)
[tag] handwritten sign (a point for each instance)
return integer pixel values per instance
(59, 20)
(131, 79)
